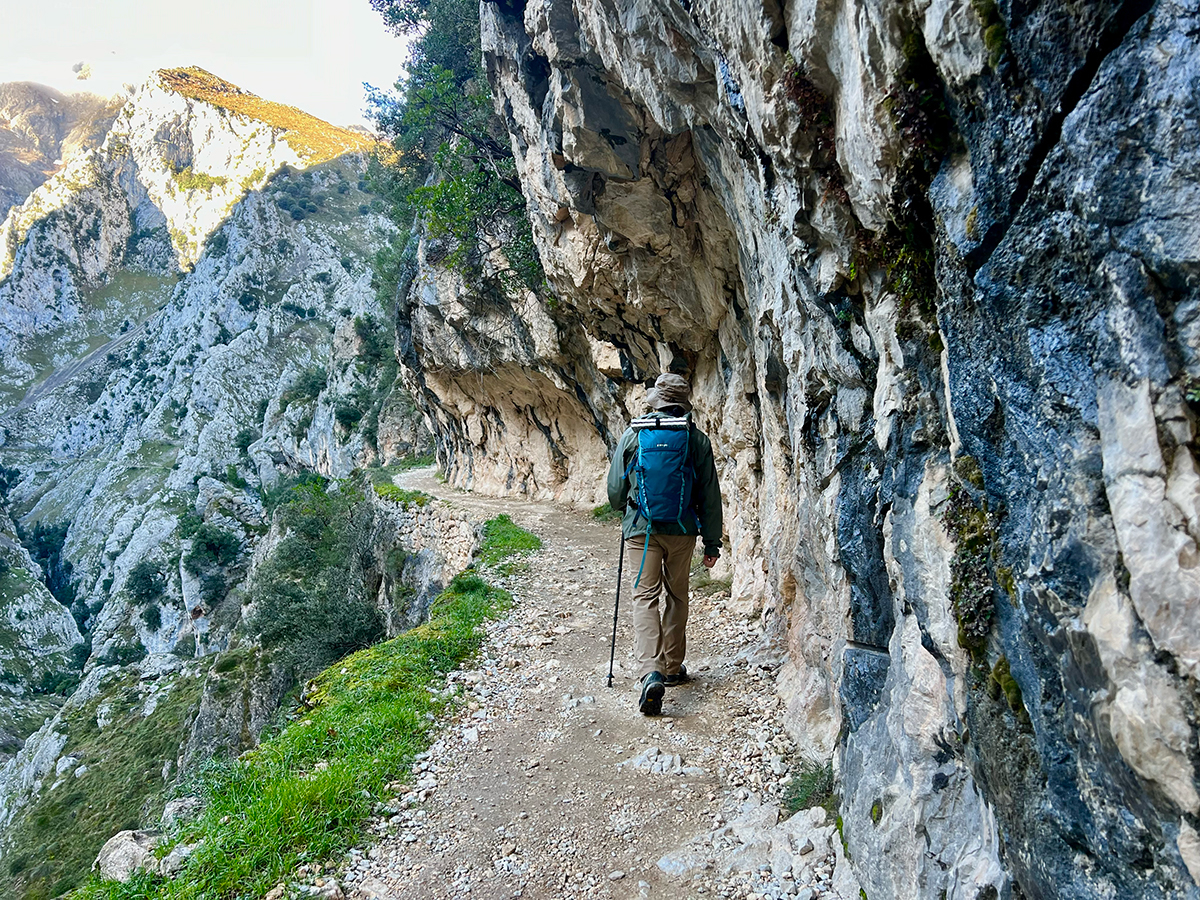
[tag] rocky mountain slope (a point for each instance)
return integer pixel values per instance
(41, 129)
(932, 270)
(187, 323)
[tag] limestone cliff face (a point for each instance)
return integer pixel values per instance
(40, 130)
(932, 267)
(37, 635)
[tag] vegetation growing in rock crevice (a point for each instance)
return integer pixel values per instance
(1001, 684)
(377, 366)
(187, 179)
(815, 110)
(917, 107)
(306, 388)
(812, 784)
(995, 34)
(971, 584)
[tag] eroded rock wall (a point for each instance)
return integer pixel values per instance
(932, 268)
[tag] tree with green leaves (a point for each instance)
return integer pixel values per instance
(452, 169)
(9, 476)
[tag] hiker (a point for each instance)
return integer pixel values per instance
(677, 460)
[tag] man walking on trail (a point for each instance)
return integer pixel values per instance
(663, 462)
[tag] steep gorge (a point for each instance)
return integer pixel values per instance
(932, 270)
(188, 336)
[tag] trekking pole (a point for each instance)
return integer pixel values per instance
(620, 567)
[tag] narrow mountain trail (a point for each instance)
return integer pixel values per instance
(545, 783)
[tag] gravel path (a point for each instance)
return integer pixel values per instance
(545, 783)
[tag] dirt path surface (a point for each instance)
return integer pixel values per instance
(548, 784)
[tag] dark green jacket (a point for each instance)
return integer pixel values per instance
(706, 493)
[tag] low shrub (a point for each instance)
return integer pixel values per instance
(145, 582)
(306, 388)
(246, 437)
(402, 496)
(152, 617)
(347, 415)
(811, 785)
(211, 546)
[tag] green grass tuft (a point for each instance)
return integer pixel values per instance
(812, 785)
(400, 495)
(606, 513)
(502, 539)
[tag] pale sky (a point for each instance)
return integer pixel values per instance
(313, 54)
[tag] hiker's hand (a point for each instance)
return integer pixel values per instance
(709, 562)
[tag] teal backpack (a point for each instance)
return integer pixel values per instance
(664, 474)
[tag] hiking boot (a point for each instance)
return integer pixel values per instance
(653, 689)
(680, 677)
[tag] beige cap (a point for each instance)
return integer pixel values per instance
(669, 390)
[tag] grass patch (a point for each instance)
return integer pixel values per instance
(812, 785)
(606, 513)
(502, 539)
(401, 496)
(315, 139)
(303, 795)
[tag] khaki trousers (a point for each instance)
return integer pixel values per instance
(659, 641)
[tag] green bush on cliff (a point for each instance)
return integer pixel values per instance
(145, 583)
(212, 546)
(311, 605)
(307, 386)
